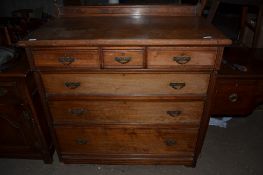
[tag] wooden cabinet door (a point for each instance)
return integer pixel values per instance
(16, 129)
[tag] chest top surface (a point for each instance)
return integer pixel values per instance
(126, 30)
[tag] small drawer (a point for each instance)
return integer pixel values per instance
(180, 57)
(64, 58)
(118, 58)
(127, 112)
(8, 91)
(125, 140)
(234, 97)
(116, 84)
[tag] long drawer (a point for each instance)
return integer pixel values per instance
(119, 84)
(126, 111)
(125, 140)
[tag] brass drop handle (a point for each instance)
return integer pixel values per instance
(233, 97)
(3, 92)
(182, 59)
(66, 60)
(72, 85)
(77, 111)
(177, 85)
(174, 113)
(81, 141)
(123, 60)
(170, 142)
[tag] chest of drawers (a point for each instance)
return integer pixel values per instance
(138, 93)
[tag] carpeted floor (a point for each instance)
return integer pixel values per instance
(236, 150)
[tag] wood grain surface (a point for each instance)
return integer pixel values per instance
(164, 57)
(126, 84)
(125, 140)
(126, 112)
(80, 57)
(126, 30)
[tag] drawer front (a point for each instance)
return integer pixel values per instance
(126, 84)
(123, 58)
(181, 57)
(64, 58)
(126, 111)
(234, 97)
(125, 140)
(8, 91)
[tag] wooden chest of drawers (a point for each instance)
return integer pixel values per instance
(120, 96)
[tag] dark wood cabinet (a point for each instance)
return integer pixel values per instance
(23, 127)
(237, 93)
(16, 130)
(234, 97)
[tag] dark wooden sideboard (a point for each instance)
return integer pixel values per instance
(127, 84)
(23, 125)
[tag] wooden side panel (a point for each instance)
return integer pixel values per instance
(15, 137)
(126, 84)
